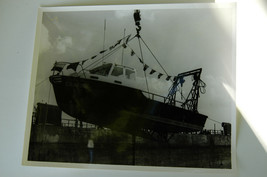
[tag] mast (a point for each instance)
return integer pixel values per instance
(104, 40)
(122, 54)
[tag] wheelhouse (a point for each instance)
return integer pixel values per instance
(115, 70)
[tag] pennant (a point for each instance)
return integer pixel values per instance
(58, 66)
(111, 47)
(127, 39)
(152, 71)
(73, 66)
(102, 51)
(140, 60)
(84, 61)
(93, 57)
(145, 67)
(118, 42)
(159, 76)
(132, 53)
(168, 78)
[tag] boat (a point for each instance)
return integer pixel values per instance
(110, 95)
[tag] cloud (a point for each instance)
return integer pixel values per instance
(45, 44)
(123, 13)
(63, 43)
(159, 86)
(148, 15)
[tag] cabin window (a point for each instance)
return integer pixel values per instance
(117, 71)
(130, 74)
(102, 70)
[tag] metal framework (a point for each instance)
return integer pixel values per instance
(191, 101)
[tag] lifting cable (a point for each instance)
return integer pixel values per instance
(154, 56)
(143, 65)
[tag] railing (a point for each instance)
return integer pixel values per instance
(76, 124)
(70, 123)
(84, 125)
(212, 132)
(153, 96)
(205, 132)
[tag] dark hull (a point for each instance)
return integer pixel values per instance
(120, 108)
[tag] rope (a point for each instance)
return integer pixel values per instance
(214, 120)
(202, 87)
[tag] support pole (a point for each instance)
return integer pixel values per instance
(133, 147)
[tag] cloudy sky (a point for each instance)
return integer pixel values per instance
(182, 39)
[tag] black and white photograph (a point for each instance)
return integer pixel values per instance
(140, 85)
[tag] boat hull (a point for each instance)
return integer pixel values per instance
(120, 108)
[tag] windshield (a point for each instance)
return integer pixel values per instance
(102, 70)
(130, 74)
(117, 71)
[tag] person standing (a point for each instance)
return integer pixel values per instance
(90, 146)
